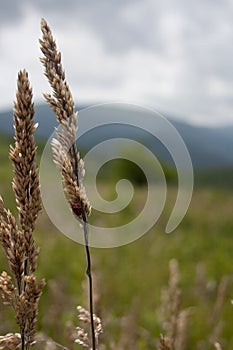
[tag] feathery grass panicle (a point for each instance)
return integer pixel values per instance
(76, 194)
(27, 307)
(64, 148)
(13, 242)
(82, 337)
(7, 289)
(218, 346)
(26, 179)
(164, 343)
(10, 341)
(18, 241)
(174, 320)
(62, 101)
(215, 321)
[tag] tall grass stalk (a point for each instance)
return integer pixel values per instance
(65, 153)
(23, 292)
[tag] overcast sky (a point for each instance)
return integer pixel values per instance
(173, 55)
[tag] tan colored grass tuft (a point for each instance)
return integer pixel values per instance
(76, 193)
(64, 148)
(10, 341)
(82, 336)
(165, 343)
(173, 319)
(27, 307)
(17, 240)
(218, 346)
(26, 179)
(215, 321)
(8, 289)
(13, 242)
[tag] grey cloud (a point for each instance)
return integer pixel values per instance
(104, 18)
(11, 11)
(107, 19)
(197, 35)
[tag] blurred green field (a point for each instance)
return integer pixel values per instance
(129, 279)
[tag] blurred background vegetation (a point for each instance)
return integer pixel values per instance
(129, 280)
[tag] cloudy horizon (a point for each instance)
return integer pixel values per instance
(174, 56)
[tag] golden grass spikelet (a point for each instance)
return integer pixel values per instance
(82, 337)
(18, 242)
(218, 346)
(76, 194)
(164, 343)
(174, 293)
(171, 300)
(26, 179)
(62, 103)
(27, 307)
(174, 320)
(64, 148)
(182, 329)
(215, 321)
(8, 289)
(33, 292)
(13, 243)
(10, 341)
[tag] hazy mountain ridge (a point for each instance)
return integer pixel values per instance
(208, 147)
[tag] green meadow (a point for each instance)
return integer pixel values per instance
(129, 280)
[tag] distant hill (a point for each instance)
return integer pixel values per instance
(208, 147)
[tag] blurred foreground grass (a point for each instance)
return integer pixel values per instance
(129, 279)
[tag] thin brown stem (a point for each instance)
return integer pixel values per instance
(89, 275)
(23, 339)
